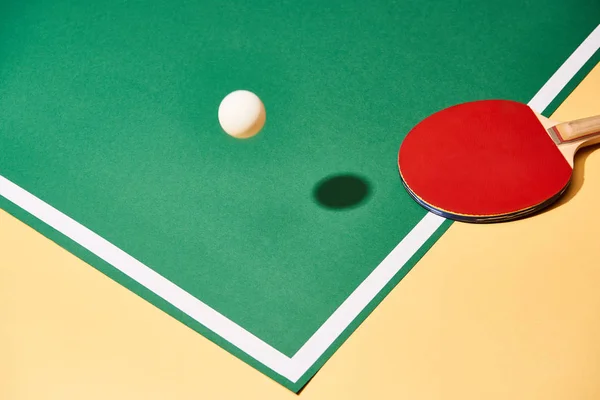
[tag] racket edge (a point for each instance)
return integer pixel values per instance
(486, 219)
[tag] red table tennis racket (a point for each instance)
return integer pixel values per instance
(491, 160)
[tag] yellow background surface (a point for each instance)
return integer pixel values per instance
(506, 311)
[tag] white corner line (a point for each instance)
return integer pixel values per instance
(147, 277)
(566, 72)
(365, 293)
(291, 368)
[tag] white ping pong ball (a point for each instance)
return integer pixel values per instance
(242, 114)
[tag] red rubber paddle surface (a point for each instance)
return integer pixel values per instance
(483, 158)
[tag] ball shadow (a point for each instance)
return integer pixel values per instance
(342, 191)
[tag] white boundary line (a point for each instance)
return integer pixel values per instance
(147, 277)
(324, 337)
(566, 72)
(290, 368)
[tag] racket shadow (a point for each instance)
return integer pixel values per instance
(577, 179)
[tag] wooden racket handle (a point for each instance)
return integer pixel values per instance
(578, 129)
